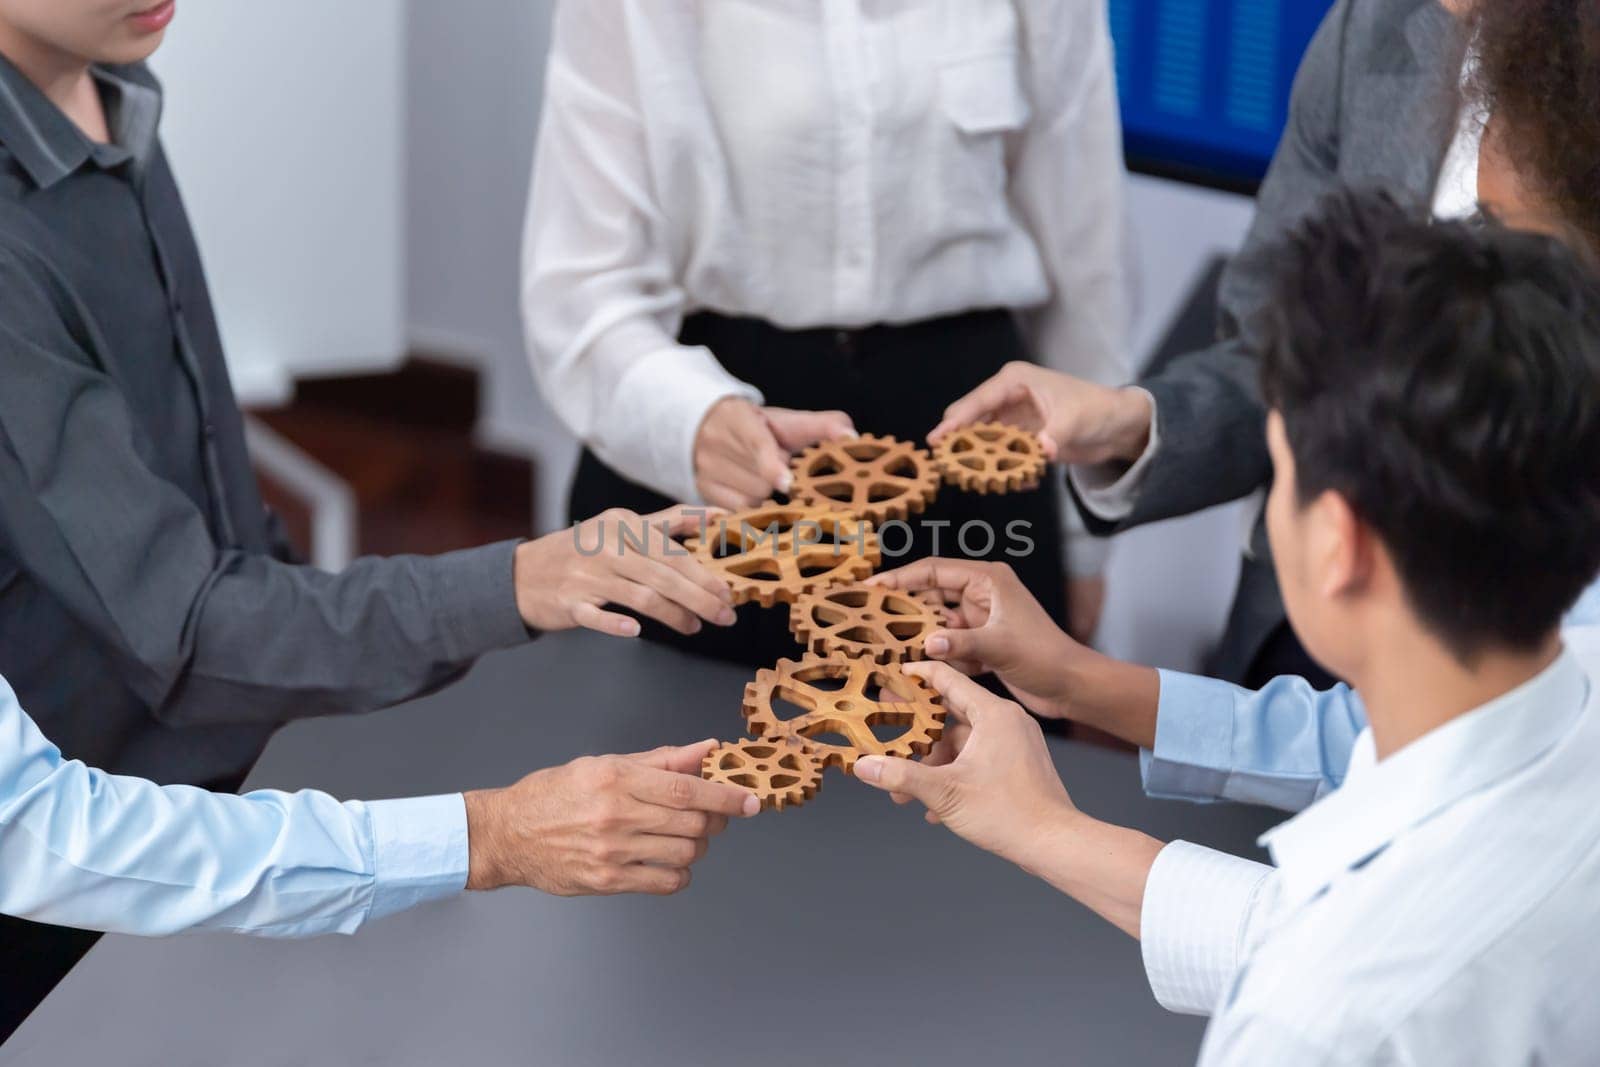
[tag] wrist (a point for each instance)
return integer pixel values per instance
(1132, 413)
(484, 868)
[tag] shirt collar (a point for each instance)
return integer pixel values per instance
(1381, 800)
(49, 146)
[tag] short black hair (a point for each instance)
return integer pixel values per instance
(1444, 378)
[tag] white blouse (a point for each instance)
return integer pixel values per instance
(814, 163)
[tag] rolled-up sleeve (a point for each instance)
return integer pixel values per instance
(82, 848)
(1283, 746)
(204, 634)
(601, 301)
(1195, 923)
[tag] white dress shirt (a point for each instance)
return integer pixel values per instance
(79, 847)
(1437, 908)
(813, 163)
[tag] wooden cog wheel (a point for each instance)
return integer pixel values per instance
(864, 620)
(991, 457)
(782, 772)
(877, 478)
(778, 553)
(851, 698)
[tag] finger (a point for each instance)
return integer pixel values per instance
(963, 645)
(980, 404)
(679, 759)
(949, 576)
(591, 617)
(746, 485)
(621, 589)
(725, 496)
(903, 776)
(796, 430)
(662, 577)
(702, 578)
(664, 851)
(683, 519)
(965, 699)
(689, 792)
(647, 879)
(669, 822)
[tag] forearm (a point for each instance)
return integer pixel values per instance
(275, 642)
(88, 849)
(1121, 699)
(1103, 867)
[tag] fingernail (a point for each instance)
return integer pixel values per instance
(727, 617)
(752, 806)
(938, 645)
(629, 628)
(785, 481)
(869, 768)
(694, 627)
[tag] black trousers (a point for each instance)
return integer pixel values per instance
(34, 957)
(891, 380)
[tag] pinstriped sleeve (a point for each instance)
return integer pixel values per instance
(1199, 905)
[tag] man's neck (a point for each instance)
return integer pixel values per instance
(62, 77)
(1413, 685)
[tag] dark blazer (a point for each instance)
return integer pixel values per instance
(1375, 104)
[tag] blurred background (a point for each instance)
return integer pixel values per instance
(362, 239)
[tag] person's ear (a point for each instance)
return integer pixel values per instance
(1340, 547)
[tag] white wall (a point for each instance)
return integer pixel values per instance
(299, 221)
(474, 73)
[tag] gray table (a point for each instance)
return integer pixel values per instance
(846, 932)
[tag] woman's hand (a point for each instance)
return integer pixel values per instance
(994, 625)
(1077, 421)
(741, 454)
(567, 578)
(990, 779)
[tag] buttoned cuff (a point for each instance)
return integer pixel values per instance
(1197, 908)
(476, 601)
(419, 851)
(671, 392)
(1193, 756)
(1110, 490)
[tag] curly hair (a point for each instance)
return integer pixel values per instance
(1445, 379)
(1539, 74)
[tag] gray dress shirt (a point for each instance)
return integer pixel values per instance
(151, 617)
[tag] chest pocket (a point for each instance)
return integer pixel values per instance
(980, 77)
(981, 103)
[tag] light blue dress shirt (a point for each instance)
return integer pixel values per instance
(1283, 746)
(79, 847)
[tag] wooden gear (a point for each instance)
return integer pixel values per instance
(877, 478)
(782, 771)
(991, 457)
(851, 710)
(779, 552)
(864, 620)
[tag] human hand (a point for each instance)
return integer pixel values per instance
(990, 779)
(1086, 602)
(994, 625)
(602, 825)
(565, 579)
(741, 453)
(1077, 421)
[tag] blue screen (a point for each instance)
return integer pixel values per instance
(1205, 83)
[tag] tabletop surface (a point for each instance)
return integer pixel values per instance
(845, 932)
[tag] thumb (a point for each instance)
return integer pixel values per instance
(903, 776)
(799, 429)
(959, 646)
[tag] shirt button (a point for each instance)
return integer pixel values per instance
(846, 342)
